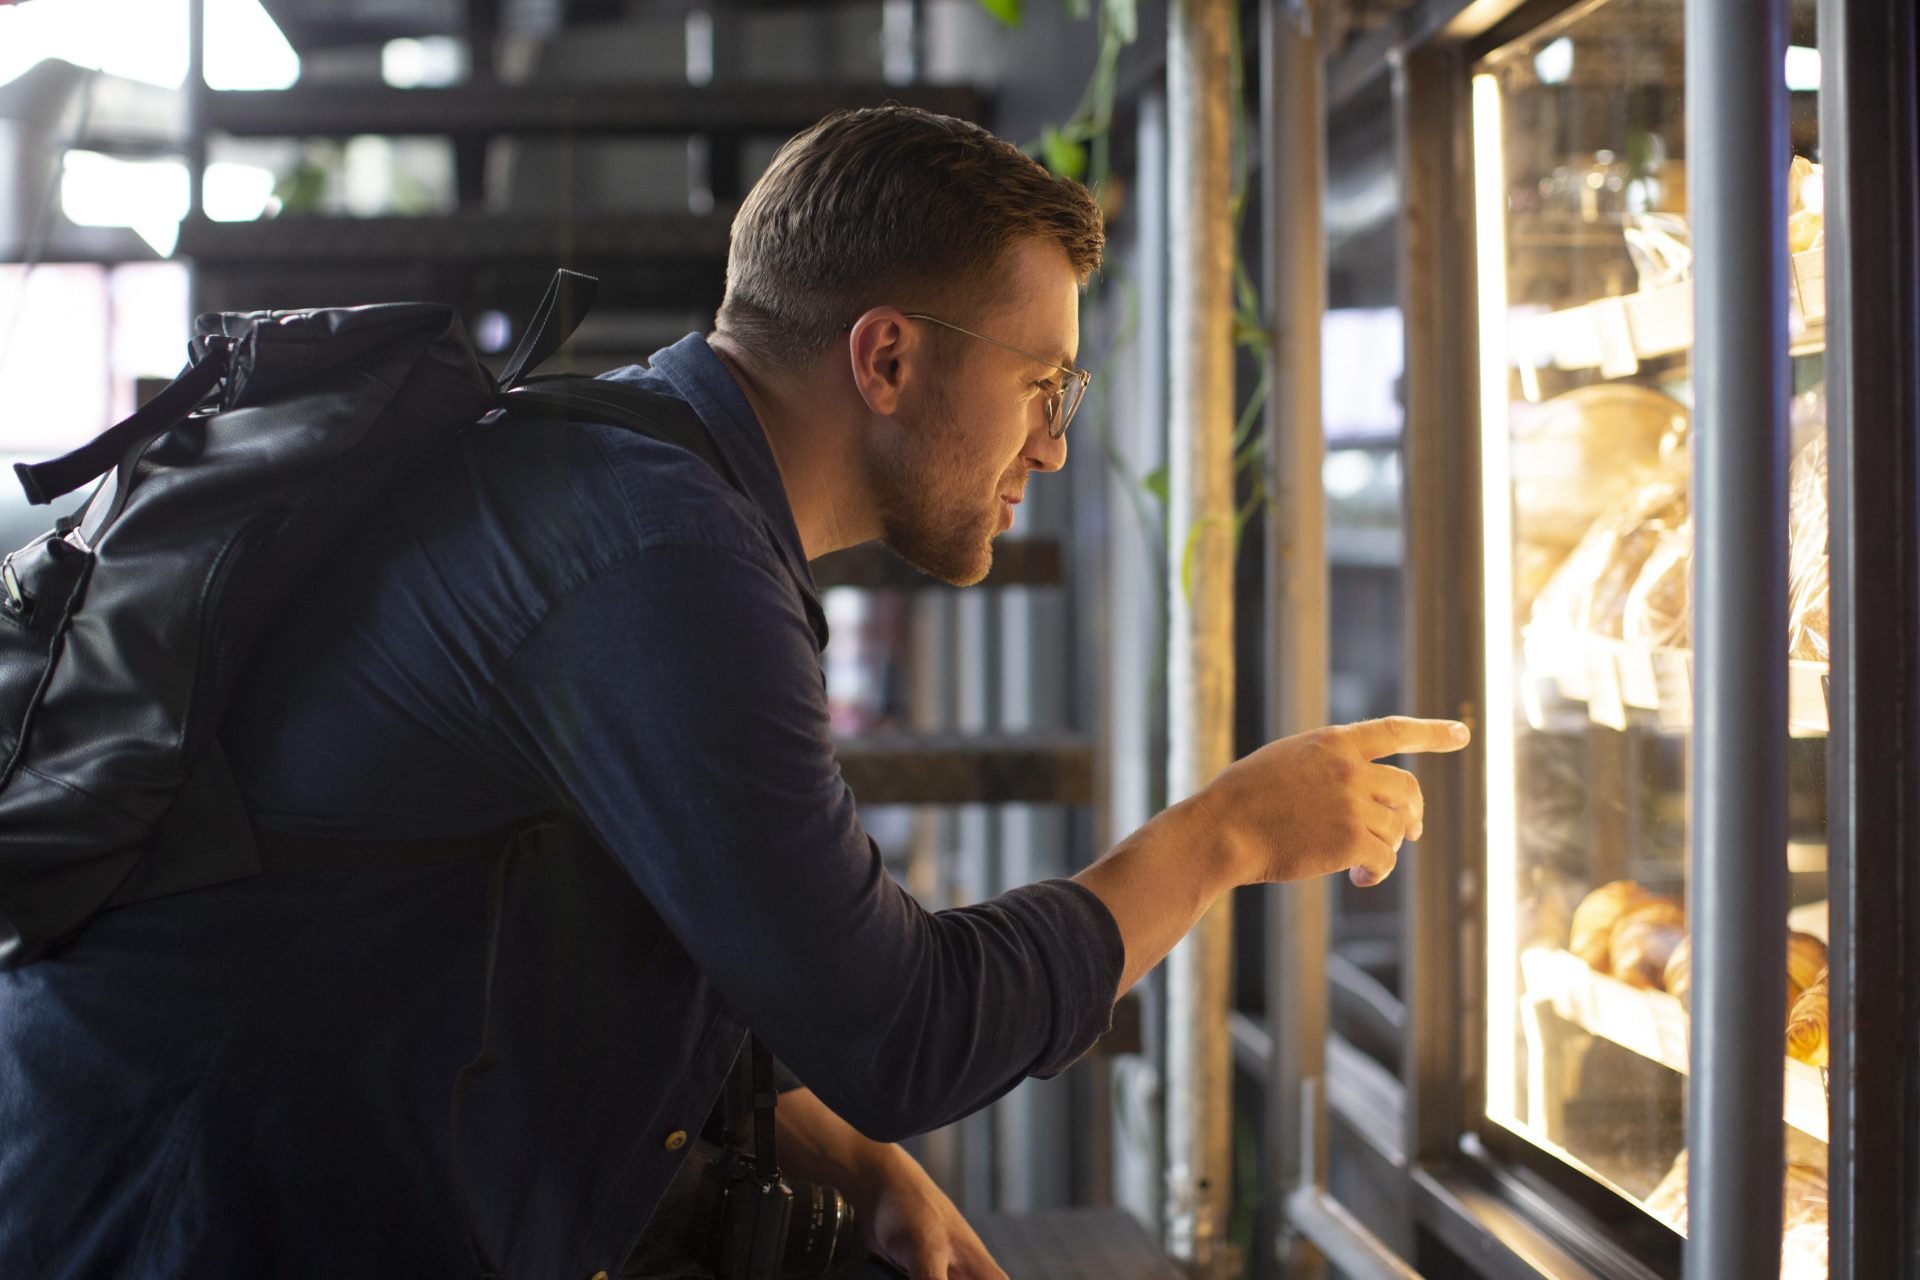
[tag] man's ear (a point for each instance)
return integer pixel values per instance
(882, 348)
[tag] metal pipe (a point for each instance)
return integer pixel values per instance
(1738, 142)
(1293, 109)
(1344, 1238)
(1200, 634)
(196, 86)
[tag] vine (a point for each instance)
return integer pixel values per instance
(1079, 150)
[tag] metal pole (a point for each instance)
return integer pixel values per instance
(196, 86)
(1294, 110)
(1200, 637)
(1738, 146)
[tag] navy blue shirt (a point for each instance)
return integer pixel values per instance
(254, 1079)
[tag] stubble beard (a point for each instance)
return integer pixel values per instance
(927, 517)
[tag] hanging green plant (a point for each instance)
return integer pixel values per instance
(1006, 11)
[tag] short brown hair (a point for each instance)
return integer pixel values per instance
(886, 204)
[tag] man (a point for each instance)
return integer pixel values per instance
(254, 1079)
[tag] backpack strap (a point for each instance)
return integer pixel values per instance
(45, 481)
(568, 298)
(649, 413)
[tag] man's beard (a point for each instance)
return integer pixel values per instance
(926, 517)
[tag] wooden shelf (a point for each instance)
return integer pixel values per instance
(1654, 1025)
(1614, 335)
(1613, 677)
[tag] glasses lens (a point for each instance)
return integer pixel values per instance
(1066, 402)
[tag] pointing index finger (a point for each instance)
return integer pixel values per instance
(1401, 735)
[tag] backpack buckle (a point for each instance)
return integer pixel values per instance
(16, 601)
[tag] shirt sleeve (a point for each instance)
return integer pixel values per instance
(674, 702)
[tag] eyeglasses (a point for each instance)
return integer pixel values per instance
(1062, 400)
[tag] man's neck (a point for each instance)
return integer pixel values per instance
(811, 431)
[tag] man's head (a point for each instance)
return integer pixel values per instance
(872, 218)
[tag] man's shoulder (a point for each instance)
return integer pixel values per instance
(624, 490)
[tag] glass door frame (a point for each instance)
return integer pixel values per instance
(1472, 1195)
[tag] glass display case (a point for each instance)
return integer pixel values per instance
(1584, 257)
(1679, 851)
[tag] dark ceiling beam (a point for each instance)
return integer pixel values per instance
(742, 110)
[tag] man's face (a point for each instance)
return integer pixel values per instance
(978, 427)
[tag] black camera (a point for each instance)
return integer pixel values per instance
(730, 1215)
(769, 1229)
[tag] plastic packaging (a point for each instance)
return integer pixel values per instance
(1657, 512)
(1807, 581)
(1806, 206)
(1576, 458)
(1659, 610)
(1590, 587)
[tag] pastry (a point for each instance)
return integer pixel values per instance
(1803, 1205)
(1808, 589)
(1660, 606)
(1678, 978)
(1807, 1025)
(1644, 938)
(1594, 918)
(1668, 1201)
(1658, 511)
(1806, 962)
(1582, 455)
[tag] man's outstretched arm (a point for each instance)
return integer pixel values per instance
(1304, 806)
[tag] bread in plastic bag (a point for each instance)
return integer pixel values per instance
(1806, 206)
(1656, 512)
(1659, 610)
(1576, 458)
(1807, 581)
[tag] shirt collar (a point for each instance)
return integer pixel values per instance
(696, 375)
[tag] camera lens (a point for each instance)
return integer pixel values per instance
(821, 1234)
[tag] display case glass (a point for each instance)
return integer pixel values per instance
(1586, 326)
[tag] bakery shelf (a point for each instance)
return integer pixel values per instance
(1652, 1024)
(1614, 335)
(1613, 677)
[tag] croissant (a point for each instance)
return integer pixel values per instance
(1803, 1198)
(1678, 977)
(1806, 961)
(1807, 1026)
(1644, 939)
(1668, 1201)
(1594, 918)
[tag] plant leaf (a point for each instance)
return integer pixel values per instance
(1156, 483)
(1007, 12)
(1065, 157)
(1123, 19)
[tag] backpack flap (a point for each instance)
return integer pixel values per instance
(40, 586)
(117, 674)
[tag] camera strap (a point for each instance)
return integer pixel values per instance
(750, 1101)
(765, 1098)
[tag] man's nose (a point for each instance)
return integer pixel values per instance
(1044, 453)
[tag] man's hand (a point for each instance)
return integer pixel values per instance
(914, 1226)
(902, 1215)
(1317, 803)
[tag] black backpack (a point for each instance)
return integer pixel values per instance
(124, 629)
